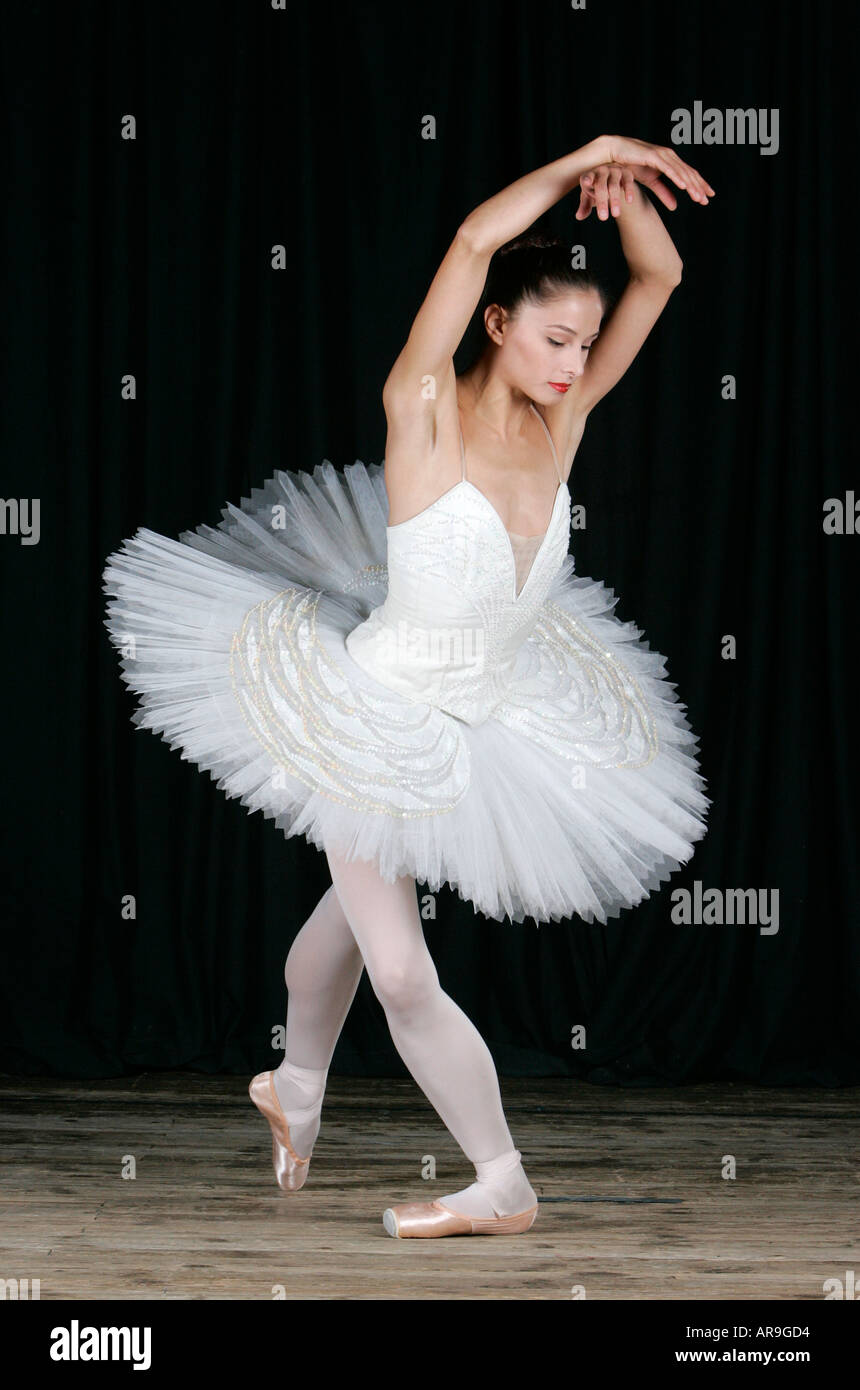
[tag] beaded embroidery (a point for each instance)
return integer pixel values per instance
(394, 745)
(373, 753)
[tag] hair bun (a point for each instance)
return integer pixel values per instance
(534, 267)
(538, 241)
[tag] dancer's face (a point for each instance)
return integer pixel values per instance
(544, 343)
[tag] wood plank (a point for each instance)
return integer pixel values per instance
(633, 1204)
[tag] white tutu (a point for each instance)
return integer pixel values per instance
(570, 788)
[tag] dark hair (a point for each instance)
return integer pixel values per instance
(534, 267)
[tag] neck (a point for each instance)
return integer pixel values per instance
(500, 407)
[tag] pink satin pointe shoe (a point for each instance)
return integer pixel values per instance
(432, 1219)
(290, 1170)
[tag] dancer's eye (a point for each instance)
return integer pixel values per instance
(554, 343)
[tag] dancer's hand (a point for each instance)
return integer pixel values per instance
(605, 183)
(645, 163)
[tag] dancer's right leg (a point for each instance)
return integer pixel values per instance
(322, 972)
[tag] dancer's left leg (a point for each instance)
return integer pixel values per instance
(441, 1047)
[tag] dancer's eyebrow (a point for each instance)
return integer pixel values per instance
(570, 330)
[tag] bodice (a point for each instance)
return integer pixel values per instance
(452, 622)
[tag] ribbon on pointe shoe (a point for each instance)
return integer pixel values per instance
(291, 1169)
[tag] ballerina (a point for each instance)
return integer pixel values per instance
(400, 664)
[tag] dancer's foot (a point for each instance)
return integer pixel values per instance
(502, 1189)
(300, 1091)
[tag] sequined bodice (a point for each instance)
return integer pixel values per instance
(455, 615)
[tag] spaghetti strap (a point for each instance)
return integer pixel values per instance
(462, 449)
(549, 437)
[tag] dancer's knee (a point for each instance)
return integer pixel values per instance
(404, 983)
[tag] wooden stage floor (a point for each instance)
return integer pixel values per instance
(634, 1201)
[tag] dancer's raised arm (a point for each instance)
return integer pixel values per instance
(425, 365)
(457, 285)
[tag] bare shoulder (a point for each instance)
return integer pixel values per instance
(565, 421)
(422, 455)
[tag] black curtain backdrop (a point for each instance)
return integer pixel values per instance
(302, 126)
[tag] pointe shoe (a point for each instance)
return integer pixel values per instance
(432, 1219)
(290, 1170)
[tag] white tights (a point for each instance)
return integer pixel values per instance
(363, 921)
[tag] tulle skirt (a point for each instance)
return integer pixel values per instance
(578, 796)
